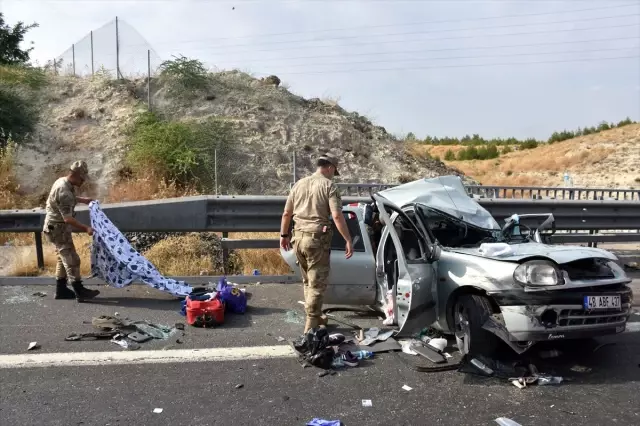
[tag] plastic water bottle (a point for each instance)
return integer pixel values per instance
(363, 354)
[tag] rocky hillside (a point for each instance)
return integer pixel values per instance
(609, 159)
(85, 118)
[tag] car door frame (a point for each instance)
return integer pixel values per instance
(415, 291)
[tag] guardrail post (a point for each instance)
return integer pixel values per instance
(39, 251)
(225, 254)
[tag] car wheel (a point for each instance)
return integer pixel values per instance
(469, 314)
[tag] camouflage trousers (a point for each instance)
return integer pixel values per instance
(313, 252)
(68, 265)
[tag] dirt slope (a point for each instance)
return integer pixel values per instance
(87, 119)
(609, 159)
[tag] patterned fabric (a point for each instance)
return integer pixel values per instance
(118, 264)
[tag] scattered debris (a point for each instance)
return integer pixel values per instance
(406, 347)
(438, 343)
(553, 353)
(239, 386)
(280, 339)
(91, 336)
(373, 335)
(481, 366)
(121, 341)
(323, 373)
(518, 383)
(33, 345)
(179, 326)
(407, 388)
(580, 369)
(504, 421)
(123, 332)
(428, 352)
(293, 317)
(39, 294)
(518, 373)
(301, 302)
(367, 403)
(139, 337)
(322, 422)
(549, 380)
(158, 410)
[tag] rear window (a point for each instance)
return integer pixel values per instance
(338, 243)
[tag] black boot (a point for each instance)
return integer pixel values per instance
(62, 291)
(83, 293)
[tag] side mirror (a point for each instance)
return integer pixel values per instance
(436, 251)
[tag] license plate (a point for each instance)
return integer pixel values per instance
(601, 302)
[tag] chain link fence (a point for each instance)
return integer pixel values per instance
(239, 171)
(115, 49)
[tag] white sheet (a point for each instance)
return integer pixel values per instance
(118, 264)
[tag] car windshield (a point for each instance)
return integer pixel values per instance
(450, 231)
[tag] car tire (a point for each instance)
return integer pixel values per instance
(470, 312)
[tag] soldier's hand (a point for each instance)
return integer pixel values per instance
(285, 243)
(89, 231)
(348, 250)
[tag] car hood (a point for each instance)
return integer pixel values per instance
(558, 254)
(444, 193)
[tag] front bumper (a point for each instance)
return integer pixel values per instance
(557, 314)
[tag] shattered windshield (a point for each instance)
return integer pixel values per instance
(450, 231)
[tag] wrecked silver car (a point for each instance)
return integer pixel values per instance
(438, 258)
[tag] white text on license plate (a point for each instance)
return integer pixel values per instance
(601, 302)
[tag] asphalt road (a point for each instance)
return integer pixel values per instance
(604, 386)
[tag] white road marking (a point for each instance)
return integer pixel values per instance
(80, 359)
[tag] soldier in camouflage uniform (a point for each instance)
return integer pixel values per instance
(58, 224)
(312, 201)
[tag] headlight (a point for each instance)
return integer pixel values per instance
(538, 272)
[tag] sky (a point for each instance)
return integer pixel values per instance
(441, 68)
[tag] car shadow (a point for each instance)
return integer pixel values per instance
(607, 360)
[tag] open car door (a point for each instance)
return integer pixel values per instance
(412, 258)
(351, 281)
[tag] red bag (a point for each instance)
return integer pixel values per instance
(209, 313)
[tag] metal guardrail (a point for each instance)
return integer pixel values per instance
(517, 192)
(263, 214)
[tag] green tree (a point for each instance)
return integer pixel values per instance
(529, 144)
(492, 151)
(410, 136)
(10, 39)
(449, 155)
